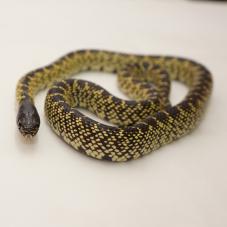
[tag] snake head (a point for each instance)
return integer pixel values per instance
(28, 120)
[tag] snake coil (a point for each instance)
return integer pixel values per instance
(142, 125)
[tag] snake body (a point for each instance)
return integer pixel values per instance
(142, 125)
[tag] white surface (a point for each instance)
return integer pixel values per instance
(46, 184)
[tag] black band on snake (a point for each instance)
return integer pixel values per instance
(142, 125)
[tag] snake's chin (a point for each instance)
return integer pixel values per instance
(28, 135)
(27, 132)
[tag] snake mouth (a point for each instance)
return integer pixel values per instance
(28, 133)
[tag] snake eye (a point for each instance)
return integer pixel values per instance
(19, 124)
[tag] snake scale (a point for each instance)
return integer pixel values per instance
(140, 126)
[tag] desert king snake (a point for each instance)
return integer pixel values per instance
(142, 125)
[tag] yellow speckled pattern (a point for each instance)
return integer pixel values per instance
(142, 125)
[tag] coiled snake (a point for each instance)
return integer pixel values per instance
(142, 125)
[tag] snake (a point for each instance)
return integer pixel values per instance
(138, 125)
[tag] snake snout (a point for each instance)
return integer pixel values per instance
(28, 120)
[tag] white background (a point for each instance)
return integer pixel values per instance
(45, 183)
